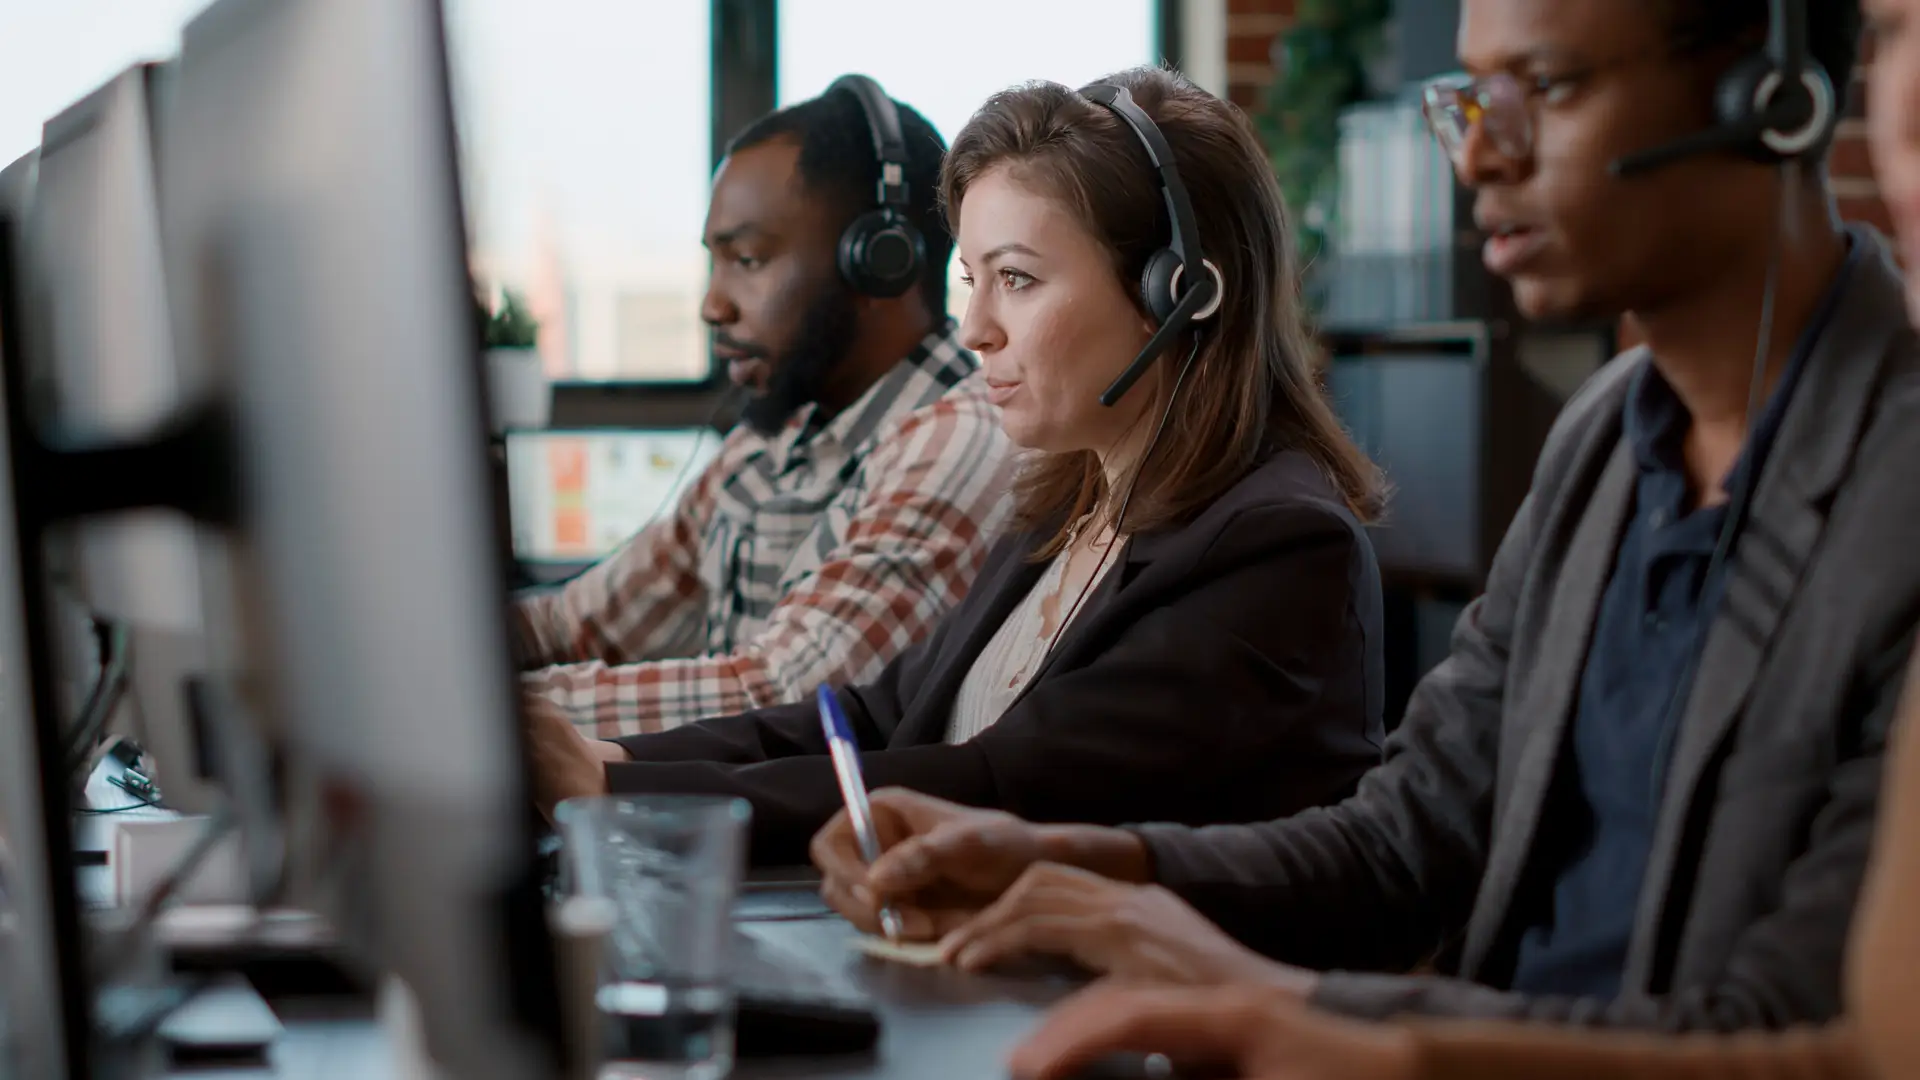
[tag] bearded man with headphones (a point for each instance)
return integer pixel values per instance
(1640, 791)
(854, 504)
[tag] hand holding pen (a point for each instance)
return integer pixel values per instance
(853, 790)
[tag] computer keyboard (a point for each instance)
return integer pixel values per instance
(791, 1004)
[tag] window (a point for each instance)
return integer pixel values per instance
(54, 54)
(947, 59)
(585, 127)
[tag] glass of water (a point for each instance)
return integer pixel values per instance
(670, 866)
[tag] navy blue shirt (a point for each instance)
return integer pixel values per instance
(1651, 625)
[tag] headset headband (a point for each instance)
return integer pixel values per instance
(1185, 242)
(889, 145)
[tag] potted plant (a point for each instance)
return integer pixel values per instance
(1330, 59)
(516, 383)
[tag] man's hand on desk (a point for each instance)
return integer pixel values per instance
(943, 863)
(566, 763)
(1255, 1032)
(1138, 932)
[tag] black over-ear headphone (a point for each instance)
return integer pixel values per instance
(1175, 297)
(1776, 105)
(881, 252)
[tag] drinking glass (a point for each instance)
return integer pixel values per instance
(670, 866)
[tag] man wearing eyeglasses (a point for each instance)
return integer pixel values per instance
(1640, 791)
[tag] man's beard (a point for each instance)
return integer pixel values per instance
(800, 377)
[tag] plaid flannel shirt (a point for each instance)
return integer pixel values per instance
(817, 555)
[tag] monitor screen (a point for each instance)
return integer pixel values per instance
(578, 495)
(1418, 415)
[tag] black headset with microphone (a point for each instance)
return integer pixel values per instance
(1174, 295)
(882, 251)
(1776, 105)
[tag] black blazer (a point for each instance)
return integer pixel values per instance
(1228, 669)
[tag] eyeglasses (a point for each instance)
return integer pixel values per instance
(1499, 104)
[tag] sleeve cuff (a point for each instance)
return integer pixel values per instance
(1166, 861)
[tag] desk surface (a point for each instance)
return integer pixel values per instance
(936, 1023)
(325, 1039)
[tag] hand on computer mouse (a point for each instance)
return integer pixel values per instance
(1136, 931)
(941, 863)
(1253, 1032)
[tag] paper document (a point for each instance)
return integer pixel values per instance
(914, 953)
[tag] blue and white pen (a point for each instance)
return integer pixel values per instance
(853, 789)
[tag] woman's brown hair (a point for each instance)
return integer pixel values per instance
(1252, 390)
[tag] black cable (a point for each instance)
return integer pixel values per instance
(141, 801)
(1737, 499)
(110, 686)
(1120, 518)
(706, 428)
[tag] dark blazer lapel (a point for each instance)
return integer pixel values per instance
(1101, 601)
(1806, 465)
(1002, 585)
(1534, 725)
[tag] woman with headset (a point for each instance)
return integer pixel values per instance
(1184, 623)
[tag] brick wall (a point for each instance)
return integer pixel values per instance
(1852, 172)
(1251, 27)
(1253, 24)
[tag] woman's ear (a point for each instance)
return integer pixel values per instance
(1147, 323)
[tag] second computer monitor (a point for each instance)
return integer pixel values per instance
(29, 947)
(578, 495)
(104, 371)
(316, 250)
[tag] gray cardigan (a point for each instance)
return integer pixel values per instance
(1769, 803)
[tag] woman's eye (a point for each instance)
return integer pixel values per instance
(967, 280)
(1014, 280)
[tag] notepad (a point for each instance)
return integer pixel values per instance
(912, 953)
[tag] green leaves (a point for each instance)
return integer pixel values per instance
(1320, 69)
(507, 327)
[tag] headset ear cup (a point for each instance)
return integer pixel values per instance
(881, 255)
(1734, 98)
(906, 253)
(1738, 96)
(853, 245)
(1156, 284)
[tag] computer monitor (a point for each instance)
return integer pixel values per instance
(30, 937)
(105, 371)
(316, 259)
(577, 495)
(86, 353)
(102, 371)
